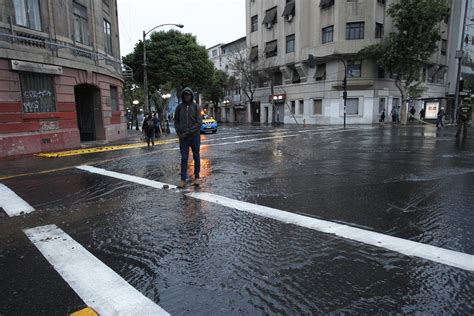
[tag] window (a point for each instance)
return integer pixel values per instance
(328, 34)
(114, 98)
(108, 37)
(214, 53)
(271, 49)
(318, 107)
(354, 68)
(253, 54)
(355, 31)
(380, 73)
(254, 27)
(290, 43)
(81, 24)
(378, 30)
(352, 106)
(326, 4)
(381, 1)
(444, 47)
(293, 107)
(270, 17)
(37, 92)
(27, 13)
(289, 11)
(301, 107)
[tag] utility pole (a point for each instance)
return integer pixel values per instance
(459, 56)
(344, 96)
(145, 75)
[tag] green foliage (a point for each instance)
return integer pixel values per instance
(404, 52)
(214, 91)
(174, 60)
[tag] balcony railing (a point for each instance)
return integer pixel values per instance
(40, 42)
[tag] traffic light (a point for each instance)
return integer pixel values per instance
(344, 88)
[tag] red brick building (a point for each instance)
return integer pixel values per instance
(60, 75)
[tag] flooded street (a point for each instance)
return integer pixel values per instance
(284, 222)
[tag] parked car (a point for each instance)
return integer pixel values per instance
(209, 124)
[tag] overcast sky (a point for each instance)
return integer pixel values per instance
(212, 21)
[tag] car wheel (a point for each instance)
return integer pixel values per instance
(213, 132)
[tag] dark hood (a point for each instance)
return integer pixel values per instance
(188, 90)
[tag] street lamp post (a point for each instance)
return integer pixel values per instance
(460, 55)
(145, 64)
(135, 112)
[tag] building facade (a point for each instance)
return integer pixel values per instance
(233, 108)
(304, 46)
(60, 75)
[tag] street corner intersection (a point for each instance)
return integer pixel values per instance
(293, 221)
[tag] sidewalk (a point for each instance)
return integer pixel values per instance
(133, 137)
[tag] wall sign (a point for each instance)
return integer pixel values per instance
(19, 65)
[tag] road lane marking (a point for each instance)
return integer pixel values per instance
(97, 285)
(129, 178)
(400, 245)
(12, 204)
(156, 152)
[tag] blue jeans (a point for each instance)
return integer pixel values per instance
(193, 142)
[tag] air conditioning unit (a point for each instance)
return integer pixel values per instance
(269, 25)
(290, 18)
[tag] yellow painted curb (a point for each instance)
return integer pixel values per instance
(100, 149)
(85, 312)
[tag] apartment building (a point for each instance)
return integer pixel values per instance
(233, 108)
(305, 47)
(60, 75)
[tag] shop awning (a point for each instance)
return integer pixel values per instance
(270, 16)
(320, 72)
(271, 47)
(289, 9)
(253, 53)
(326, 3)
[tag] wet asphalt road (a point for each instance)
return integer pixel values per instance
(196, 258)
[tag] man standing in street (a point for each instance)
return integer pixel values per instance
(187, 122)
(465, 115)
(440, 116)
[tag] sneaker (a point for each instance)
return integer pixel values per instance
(196, 182)
(181, 184)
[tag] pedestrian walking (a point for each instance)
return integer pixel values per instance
(187, 122)
(148, 129)
(440, 117)
(393, 113)
(412, 114)
(422, 114)
(156, 122)
(382, 118)
(465, 115)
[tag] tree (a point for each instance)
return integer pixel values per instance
(250, 73)
(214, 91)
(174, 59)
(404, 52)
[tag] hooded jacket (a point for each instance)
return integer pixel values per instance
(187, 117)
